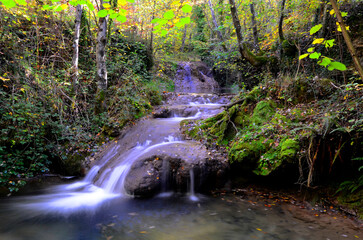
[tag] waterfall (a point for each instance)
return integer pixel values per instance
(191, 190)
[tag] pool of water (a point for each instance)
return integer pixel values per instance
(172, 217)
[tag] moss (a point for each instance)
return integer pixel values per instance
(253, 95)
(279, 119)
(263, 111)
(242, 150)
(289, 148)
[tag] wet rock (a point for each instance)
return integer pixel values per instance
(195, 77)
(162, 113)
(147, 174)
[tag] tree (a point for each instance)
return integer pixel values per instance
(77, 32)
(254, 26)
(101, 76)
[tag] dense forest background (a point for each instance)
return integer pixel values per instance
(73, 74)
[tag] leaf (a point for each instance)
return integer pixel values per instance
(163, 33)
(21, 2)
(332, 12)
(185, 20)
(9, 3)
(311, 49)
(318, 40)
(315, 55)
(131, 1)
(113, 15)
(122, 12)
(187, 8)
(329, 43)
(315, 29)
(338, 66)
(344, 14)
(102, 13)
(324, 62)
(121, 19)
(155, 20)
(303, 56)
(169, 15)
(64, 6)
(106, 5)
(58, 8)
(90, 6)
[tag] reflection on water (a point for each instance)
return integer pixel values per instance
(174, 217)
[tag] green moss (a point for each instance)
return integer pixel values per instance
(253, 95)
(242, 150)
(289, 148)
(263, 111)
(279, 119)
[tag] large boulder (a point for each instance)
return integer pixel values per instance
(169, 168)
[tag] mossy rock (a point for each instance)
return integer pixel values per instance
(289, 148)
(263, 112)
(248, 151)
(253, 95)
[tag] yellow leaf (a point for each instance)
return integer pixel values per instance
(318, 41)
(332, 12)
(259, 229)
(64, 6)
(106, 5)
(4, 79)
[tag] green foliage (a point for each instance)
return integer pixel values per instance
(323, 60)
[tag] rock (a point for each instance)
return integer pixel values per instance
(195, 77)
(162, 113)
(147, 175)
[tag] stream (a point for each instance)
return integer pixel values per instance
(100, 206)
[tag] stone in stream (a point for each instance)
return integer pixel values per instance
(144, 177)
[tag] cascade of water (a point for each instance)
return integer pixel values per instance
(165, 176)
(192, 195)
(92, 173)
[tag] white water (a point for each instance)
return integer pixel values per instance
(192, 195)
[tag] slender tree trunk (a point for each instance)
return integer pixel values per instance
(184, 38)
(325, 20)
(349, 43)
(77, 33)
(220, 36)
(152, 31)
(221, 16)
(281, 20)
(101, 77)
(245, 53)
(254, 26)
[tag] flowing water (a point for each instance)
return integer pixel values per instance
(98, 207)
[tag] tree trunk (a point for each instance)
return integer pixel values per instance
(325, 20)
(184, 38)
(256, 61)
(77, 33)
(254, 26)
(101, 77)
(220, 36)
(347, 39)
(281, 20)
